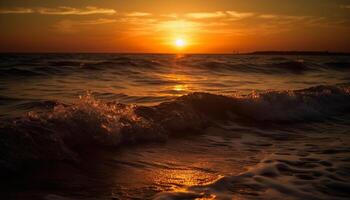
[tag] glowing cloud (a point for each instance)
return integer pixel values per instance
(16, 11)
(205, 15)
(138, 14)
(63, 10)
(267, 16)
(239, 15)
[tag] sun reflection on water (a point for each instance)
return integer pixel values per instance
(177, 180)
(184, 177)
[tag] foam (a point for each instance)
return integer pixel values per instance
(275, 178)
(60, 133)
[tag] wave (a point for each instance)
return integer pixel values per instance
(34, 71)
(296, 67)
(129, 98)
(19, 73)
(65, 64)
(55, 65)
(276, 67)
(101, 64)
(61, 133)
(338, 65)
(276, 177)
(36, 104)
(4, 100)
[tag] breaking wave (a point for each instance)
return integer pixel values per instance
(60, 134)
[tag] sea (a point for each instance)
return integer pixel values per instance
(174, 126)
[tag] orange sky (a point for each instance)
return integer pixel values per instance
(153, 26)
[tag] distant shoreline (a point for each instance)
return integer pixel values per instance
(308, 53)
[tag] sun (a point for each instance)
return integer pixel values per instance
(180, 42)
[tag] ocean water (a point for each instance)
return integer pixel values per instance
(148, 126)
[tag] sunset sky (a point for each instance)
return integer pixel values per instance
(156, 26)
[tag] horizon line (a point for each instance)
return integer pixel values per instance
(266, 52)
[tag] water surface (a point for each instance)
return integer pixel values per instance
(146, 126)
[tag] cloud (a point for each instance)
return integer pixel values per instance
(268, 16)
(205, 15)
(63, 10)
(16, 11)
(137, 20)
(284, 17)
(138, 14)
(70, 26)
(97, 21)
(240, 15)
(231, 15)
